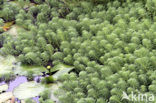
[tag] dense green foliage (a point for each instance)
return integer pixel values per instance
(45, 97)
(111, 45)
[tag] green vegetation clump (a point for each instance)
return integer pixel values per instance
(47, 80)
(29, 101)
(44, 97)
(8, 11)
(111, 45)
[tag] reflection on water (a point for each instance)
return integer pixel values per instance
(20, 80)
(37, 79)
(2, 83)
(36, 99)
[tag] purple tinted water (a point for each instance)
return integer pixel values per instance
(20, 80)
(18, 101)
(2, 83)
(37, 79)
(36, 99)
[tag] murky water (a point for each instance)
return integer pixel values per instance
(20, 80)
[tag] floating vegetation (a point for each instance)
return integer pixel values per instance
(9, 68)
(5, 96)
(61, 70)
(9, 87)
(54, 88)
(47, 80)
(28, 90)
(6, 67)
(21, 74)
(3, 88)
(30, 70)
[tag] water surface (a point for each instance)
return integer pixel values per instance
(20, 80)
